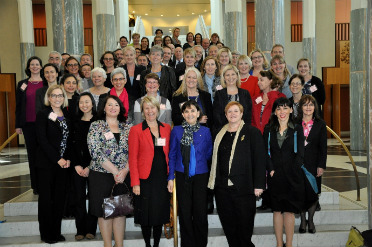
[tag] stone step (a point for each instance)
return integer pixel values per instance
(29, 226)
(326, 235)
(17, 208)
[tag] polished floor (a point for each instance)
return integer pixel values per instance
(339, 176)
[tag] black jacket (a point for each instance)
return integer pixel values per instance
(206, 102)
(20, 115)
(221, 100)
(134, 91)
(168, 83)
(39, 101)
(49, 137)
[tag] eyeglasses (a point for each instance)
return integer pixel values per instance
(308, 105)
(118, 79)
(57, 96)
(258, 57)
(108, 59)
(73, 65)
(296, 84)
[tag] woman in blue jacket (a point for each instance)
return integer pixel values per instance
(190, 149)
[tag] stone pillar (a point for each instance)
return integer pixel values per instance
(122, 19)
(105, 19)
(26, 32)
(217, 18)
(269, 24)
(358, 74)
(68, 31)
(308, 32)
(234, 25)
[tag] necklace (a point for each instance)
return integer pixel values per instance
(244, 80)
(34, 82)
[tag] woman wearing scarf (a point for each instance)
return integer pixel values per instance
(190, 149)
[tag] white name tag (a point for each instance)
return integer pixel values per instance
(181, 77)
(109, 135)
(138, 77)
(163, 107)
(160, 142)
(258, 100)
(313, 88)
(24, 86)
(53, 116)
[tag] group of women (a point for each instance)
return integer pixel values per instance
(118, 137)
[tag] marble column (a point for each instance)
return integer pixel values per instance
(217, 18)
(122, 19)
(269, 24)
(233, 24)
(358, 74)
(308, 32)
(68, 31)
(105, 26)
(26, 32)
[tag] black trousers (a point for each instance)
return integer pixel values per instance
(29, 132)
(52, 190)
(85, 222)
(192, 201)
(236, 211)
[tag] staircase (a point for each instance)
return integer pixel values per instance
(333, 223)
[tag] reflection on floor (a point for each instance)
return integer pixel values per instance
(339, 176)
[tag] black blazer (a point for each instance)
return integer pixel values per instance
(248, 170)
(206, 102)
(49, 137)
(39, 101)
(20, 115)
(168, 83)
(221, 100)
(134, 90)
(316, 147)
(81, 155)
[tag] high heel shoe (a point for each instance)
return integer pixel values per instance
(302, 228)
(311, 227)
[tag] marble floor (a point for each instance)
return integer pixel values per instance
(339, 176)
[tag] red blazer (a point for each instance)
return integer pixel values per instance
(257, 121)
(141, 150)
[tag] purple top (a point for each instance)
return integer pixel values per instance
(31, 99)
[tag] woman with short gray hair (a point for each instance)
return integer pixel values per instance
(99, 77)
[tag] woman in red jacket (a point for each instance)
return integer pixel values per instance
(269, 85)
(148, 162)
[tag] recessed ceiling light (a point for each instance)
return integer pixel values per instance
(178, 15)
(161, 15)
(205, 10)
(193, 13)
(146, 14)
(133, 11)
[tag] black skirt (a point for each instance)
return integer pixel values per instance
(100, 187)
(152, 206)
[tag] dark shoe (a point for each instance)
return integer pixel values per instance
(262, 207)
(61, 238)
(318, 208)
(311, 227)
(210, 208)
(90, 236)
(49, 241)
(302, 228)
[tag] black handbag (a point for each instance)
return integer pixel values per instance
(116, 206)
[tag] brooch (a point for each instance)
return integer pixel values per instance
(242, 139)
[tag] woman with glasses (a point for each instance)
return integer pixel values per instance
(259, 62)
(109, 62)
(53, 161)
(72, 66)
(296, 84)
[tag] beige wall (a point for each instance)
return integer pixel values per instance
(190, 21)
(10, 55)
(325, 35)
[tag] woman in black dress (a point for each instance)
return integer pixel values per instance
(285, 145)
(148, 162)
(86, 224)
(315, 159)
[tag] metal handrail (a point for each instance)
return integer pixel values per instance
(351, 159)
(174, 197)
(8, 140)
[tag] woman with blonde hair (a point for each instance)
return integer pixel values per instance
(248, 82)
(230, 81)
(279, 67)
(259, 62)
(224, 57)
(192, 88)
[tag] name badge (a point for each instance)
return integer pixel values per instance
(24, 86)
(181, 77)
(52, 116)
(163, 107)
(219, 87)
(138, 77)
(160, 142)
(313, 88)
(109, 135)
(259, 100)
(306, 143)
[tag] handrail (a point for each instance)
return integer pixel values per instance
(174, 197)
(8, 140)
(351, 159)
